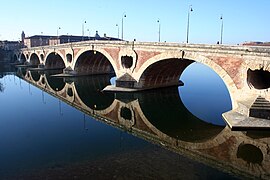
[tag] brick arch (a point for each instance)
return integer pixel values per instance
(100, 50)
(196, 57)
(31, 56)
(58, 52)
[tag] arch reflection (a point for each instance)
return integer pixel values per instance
(89, 91)
(166, 111)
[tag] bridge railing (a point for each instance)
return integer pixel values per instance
(231, 49)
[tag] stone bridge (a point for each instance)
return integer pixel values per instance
(140, 66)
(214, 145)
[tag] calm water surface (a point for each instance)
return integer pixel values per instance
(68, 129)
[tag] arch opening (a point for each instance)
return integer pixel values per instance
(69, 58)
(56, 84)
(42, 57)
(34, 60)
(250, 153)
(70, 92)
(258, 79)
(43, 80)
(126, 113)
(163, 73)
(205, 94)
(93, 62)
(54, 61)
(23, 58)
(35, 75)
(127, 61)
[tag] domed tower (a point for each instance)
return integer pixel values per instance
(23, 37)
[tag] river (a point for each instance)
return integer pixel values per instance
(67, 128)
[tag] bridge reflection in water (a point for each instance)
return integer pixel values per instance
(159, 116)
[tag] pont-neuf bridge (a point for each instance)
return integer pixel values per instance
(145, 65)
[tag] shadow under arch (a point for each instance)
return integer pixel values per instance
(89, 91)
(22, 58)
(93, 62)
(165, 111)
(54, 61)
(163, 73)
(34, 59)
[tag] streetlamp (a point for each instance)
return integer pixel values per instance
(158, 21)
(221, 29)
(189, 10)
(58, 30)
(88, 33)
(123, 16)
(83, 30)
(117, 30)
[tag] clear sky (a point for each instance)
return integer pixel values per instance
(244, 20)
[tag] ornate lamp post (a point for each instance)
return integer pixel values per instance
(123, 16)
(189, 10)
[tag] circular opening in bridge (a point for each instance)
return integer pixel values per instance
(35, 76)
(69, 58)
(258, 79)
(127, 61)
(43, 80)
(204, 93)
(42, 57)
(126, 113)
(70, 92)
(250, 153)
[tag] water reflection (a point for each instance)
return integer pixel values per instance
(89, 90)
(165, 110)
(160, 116)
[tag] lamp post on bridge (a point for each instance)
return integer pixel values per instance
(58, 41)
(189, 10)
(117, 30)
(221, 29)
(83, 30)
(57, 32)
(123, 16)
(158, 21)
(88, 34)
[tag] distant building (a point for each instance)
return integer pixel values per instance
(37, 40)
(42, 40)
(256, 43)
(10, 45)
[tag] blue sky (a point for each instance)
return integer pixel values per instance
(244, 20)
